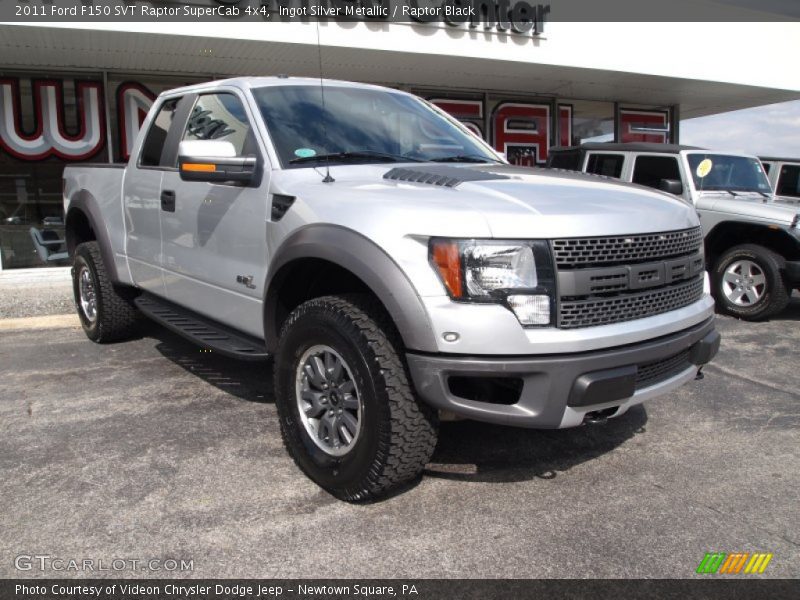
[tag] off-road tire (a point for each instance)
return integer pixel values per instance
(776, 295)
(117, 318)
(398, 432)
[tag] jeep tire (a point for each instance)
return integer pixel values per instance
(747, 282)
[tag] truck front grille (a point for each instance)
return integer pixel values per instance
(655, 372)
(578, 253)
(595, 311)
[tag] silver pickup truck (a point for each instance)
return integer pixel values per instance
(752, 241)
(393, 267)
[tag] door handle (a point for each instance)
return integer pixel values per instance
(168, 201)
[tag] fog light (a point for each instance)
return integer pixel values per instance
(531, 310)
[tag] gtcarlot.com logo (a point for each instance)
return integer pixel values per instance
(44, 562)
(735, 563)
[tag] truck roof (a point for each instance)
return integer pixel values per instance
(278, 80)
(629, 147)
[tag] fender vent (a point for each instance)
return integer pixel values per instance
(440, 175)
(280, 204)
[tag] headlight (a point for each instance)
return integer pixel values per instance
(517, 274)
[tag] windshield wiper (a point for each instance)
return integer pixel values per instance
(471, 158)
(355, 155)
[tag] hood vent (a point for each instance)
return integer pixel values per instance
(440, 175)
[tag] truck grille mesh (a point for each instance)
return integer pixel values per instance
(626, 307)
(579, 253)
(661, 370)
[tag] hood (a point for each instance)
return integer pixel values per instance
(749, 207)
(499, 201)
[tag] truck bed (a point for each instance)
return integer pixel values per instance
(94, 190)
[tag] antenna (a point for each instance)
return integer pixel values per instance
(327, 178)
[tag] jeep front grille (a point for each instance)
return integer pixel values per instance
(597, 310)
(578, 253)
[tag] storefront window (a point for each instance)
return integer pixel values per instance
(591, 121)
(70, 127)
(639, 123)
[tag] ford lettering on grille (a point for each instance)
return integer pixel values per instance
(610, 280)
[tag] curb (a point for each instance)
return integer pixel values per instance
(68, 321)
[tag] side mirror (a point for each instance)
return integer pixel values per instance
(215, 161)
(671, 186)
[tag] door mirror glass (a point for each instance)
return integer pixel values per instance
(671, 186)
(215, 161)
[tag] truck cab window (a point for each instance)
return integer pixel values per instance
(789, 182)
(221, 117)
(650, 170)
(609, 165)
(369, 125)
(153, 143)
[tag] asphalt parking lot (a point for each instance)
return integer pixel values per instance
(151, 449)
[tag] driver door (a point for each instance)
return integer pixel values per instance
(214, 234)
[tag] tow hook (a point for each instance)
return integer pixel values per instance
(699, 376)
(599, 417)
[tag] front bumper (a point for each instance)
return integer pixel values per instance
(560, 390)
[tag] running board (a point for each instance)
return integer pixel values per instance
(203, 331)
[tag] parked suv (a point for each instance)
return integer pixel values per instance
(752, 242)
(784, 176)
(391, 265)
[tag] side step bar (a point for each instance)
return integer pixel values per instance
(203, 331)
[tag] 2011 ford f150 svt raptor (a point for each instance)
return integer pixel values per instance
(392, 265)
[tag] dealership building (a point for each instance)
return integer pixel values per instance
(72, 92)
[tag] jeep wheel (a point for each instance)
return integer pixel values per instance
(348, 415)
(106, 311)
(747, 283)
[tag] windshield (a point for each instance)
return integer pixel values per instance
(720, 172)
(360, 125)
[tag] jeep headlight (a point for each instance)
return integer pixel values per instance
(517, 274)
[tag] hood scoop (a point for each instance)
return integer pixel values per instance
(441, 175)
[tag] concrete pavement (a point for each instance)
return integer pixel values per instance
(151, 449)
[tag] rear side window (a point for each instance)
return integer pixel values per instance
(221, 117)
(789, 182)
(650, 170)
(153, 145)
(609, 165)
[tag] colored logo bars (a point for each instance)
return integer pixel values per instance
(737, 562)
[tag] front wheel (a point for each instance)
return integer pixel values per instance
(747, 282)
(348, 415)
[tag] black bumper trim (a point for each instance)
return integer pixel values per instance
(792, 271)
(552, 383)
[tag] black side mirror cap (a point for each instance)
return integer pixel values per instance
(671, 186)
